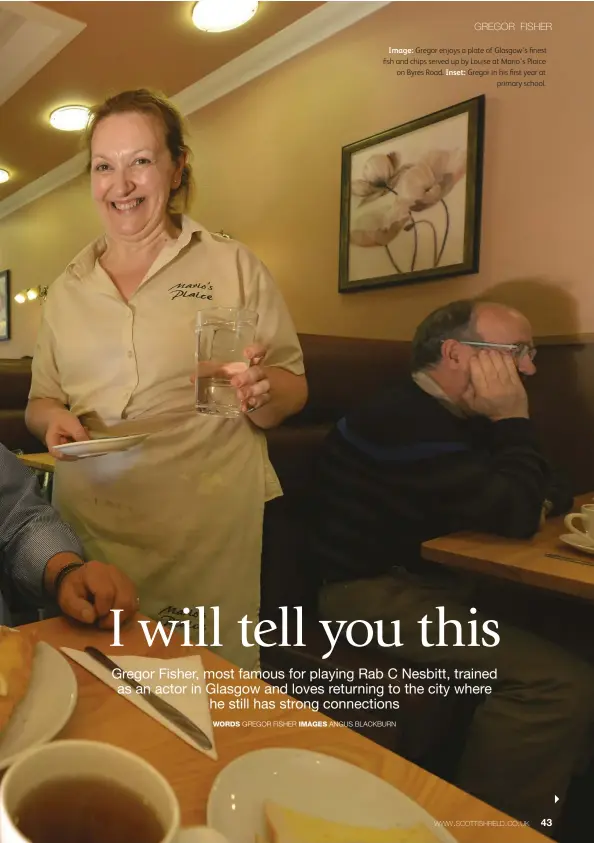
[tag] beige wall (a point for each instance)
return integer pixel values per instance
(36, 243)
(267, 160)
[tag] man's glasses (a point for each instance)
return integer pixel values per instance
(518, 350)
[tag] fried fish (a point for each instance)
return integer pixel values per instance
(286, 825)
(16, 665)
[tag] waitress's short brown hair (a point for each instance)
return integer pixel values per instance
(149, 102)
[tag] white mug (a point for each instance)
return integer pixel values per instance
(69, 759)
(586, 515)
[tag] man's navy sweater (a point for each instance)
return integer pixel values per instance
(404, 469)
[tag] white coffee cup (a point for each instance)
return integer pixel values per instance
(92, 759)
(586, 515)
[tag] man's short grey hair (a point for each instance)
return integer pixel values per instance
(455, 321)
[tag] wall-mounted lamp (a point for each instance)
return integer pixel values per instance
(31, 294)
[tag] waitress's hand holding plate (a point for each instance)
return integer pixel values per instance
(64, 428)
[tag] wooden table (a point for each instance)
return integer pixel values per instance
(41, 462)
(102, 714)
(521, 560)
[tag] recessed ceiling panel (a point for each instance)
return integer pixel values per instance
(30, 37)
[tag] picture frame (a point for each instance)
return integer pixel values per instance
(4, 305)
(411, 200)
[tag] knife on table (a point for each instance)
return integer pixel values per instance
(164, 708)
(569, 559)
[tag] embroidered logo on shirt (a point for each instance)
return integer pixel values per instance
(191, 291)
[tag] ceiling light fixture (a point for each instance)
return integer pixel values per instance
(4, 176)
(70, 118)
(215, 16)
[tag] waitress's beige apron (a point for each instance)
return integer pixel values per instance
(182, 515)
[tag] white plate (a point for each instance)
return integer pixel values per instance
(46, 707)
(99, 447)
(573, 540)
(311, 782)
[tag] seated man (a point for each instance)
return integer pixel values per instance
(40, 556)
(453, 448)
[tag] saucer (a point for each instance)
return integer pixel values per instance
(199, 834)
(99, 447)
(577, 542)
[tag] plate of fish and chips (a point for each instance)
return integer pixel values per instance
(299, 796)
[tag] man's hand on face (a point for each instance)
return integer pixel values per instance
(495, 389)
(89, 593)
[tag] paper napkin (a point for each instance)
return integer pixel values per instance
(159, 675)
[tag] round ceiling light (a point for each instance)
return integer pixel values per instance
(4, 176)
(214, 16)
(70, 118)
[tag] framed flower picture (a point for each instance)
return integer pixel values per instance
(5, 305)
(411, 201)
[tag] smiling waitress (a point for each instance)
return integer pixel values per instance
(182, 513)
